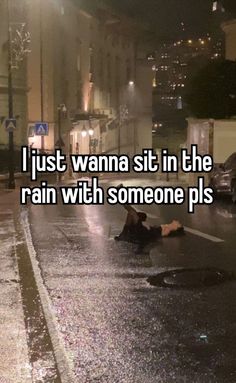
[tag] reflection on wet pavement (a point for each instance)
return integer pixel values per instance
(118, 328)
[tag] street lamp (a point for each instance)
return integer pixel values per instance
(61, 109)
(91, 133)
(11, 181)
(123, 114)
(84, 132)
(17, 49)
(41, 69)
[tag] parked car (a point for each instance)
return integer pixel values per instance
(223, 178)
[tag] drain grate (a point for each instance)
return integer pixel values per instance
(190, 278)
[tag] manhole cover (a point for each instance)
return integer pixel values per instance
(190, 278)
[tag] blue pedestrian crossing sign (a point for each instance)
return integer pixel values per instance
(41, 129)
(10, 124)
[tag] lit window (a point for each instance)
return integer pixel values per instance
(31, 131)
(215, 5)
(150, 57)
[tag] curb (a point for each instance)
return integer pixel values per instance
(62, 360)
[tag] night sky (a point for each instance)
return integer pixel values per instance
(164, 17)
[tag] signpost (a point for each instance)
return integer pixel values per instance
(41, 129)
(10, 125)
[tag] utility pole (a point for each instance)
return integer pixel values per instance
(135, 135)
(119, 136)
(123, 115)
(61, 108)
(59, 127)
(91, 133)
(11, 161)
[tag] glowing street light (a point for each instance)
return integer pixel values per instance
(91, 132)
(84, 132)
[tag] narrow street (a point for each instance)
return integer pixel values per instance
(115, 326)
(95, 94)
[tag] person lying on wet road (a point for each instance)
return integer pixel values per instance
(136, 231)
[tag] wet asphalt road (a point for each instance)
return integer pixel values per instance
(118, 328)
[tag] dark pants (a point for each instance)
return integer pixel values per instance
(134, 231)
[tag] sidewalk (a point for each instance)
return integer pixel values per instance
(24, 179)
(14, 361)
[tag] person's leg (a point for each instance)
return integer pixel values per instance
(129, 223)
(132, 216)
(131, 220)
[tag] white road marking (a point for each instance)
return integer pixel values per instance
(203, 235)
(194, 232)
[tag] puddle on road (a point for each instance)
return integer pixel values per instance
(190, 278)
(42, 359)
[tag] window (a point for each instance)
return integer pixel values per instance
(31, 131)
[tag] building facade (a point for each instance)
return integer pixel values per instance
(84, 80)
